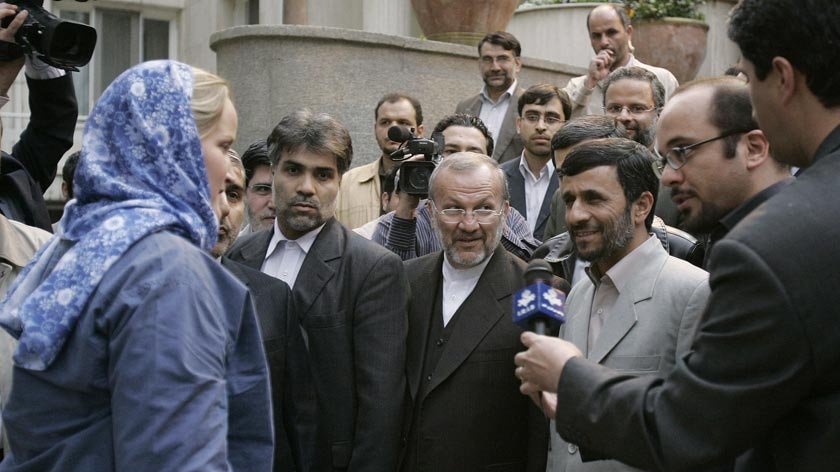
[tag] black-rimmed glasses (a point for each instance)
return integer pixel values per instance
(677, 156)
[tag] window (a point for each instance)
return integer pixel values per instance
(125, 38)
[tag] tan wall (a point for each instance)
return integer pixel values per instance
(276, 69)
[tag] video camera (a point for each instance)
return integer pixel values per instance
(60, 43)
(414, 175)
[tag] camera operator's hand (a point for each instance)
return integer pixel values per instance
(9, 70)
(407, 203)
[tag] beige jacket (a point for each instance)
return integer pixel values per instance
(358, 196)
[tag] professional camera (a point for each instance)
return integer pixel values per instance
(60, 43)
(414, 175)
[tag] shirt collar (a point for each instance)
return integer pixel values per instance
(547, 169)
(508, 93)
(305, 242)
(623, 271)
(453, 274)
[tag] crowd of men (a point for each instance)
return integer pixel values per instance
(694, 339)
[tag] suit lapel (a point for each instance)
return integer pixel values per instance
(474, 107)
(425, 284)
(254, 249)
(576, 328)
(318, 267)
(508, 130)
(624, 316)
(516, 185)
(480, 312)
(545, 209)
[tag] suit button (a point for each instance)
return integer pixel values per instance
(439, 342)
(429, 378)
(572, 448)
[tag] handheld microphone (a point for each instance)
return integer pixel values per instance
(538, 306)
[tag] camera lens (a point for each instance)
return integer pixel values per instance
(419, 178)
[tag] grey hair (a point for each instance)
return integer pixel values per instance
(463, 162)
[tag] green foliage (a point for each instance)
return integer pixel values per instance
(644, 9)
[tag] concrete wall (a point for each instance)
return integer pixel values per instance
(276, 69)
(558, 33)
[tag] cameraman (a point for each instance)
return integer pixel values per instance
(28, 171)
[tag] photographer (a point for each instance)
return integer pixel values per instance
(28, 171)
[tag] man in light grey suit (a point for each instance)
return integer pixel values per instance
(638, 310)
(499, 63)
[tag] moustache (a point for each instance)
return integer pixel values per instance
(305, 200)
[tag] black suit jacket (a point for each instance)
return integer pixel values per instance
(350, 299)
(516, 185)
(27, 173)
(507, 145)
(764, 374)
(472, 416)
(292, 394)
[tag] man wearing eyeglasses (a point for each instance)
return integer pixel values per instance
(714, 158)
(259, 201)
(465, 410)
(634, 97)
(499, 62)
(610, 33)
(543, 109)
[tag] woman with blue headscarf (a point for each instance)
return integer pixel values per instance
(137, 350)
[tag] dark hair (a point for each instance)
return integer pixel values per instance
(730, 109)
(619, 10)
(69, 170)
(396, 97)
(584, 128)
(467, 121)
(318, 133)
(541, 94)
(804, 32)
(642, 75)
(507, 41)
(256, 155)
(633, 163)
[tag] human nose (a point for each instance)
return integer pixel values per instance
(306, 185)
(671, 177)
(576, 214)
(469, 222)
(224, 206)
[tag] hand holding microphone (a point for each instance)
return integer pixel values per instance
(539, 307)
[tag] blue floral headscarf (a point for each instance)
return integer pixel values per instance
(141, 171)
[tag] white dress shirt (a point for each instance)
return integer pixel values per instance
(285, 256)
(535, 189)
(493, 113)
(458, 284)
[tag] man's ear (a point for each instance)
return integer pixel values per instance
(757, 148)
(786, 79)
(642, 208)
(420, 130)
(518, 121)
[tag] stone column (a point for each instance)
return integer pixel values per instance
(387, 16)
(295, 12)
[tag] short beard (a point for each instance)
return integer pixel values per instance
(454, 256)
(616, 237)
(706, 219)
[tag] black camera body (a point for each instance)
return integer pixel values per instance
(60, 43)
(414, 175)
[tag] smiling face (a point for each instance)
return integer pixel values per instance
(598, 216)
(468, 243)
(499, 67)
(630, 95)
(305, 187)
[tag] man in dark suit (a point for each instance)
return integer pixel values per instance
(763, 380)
(542, 110)
(292, 391)
(466, 412)
(28, 171)
(349, 296)
(499, 62)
